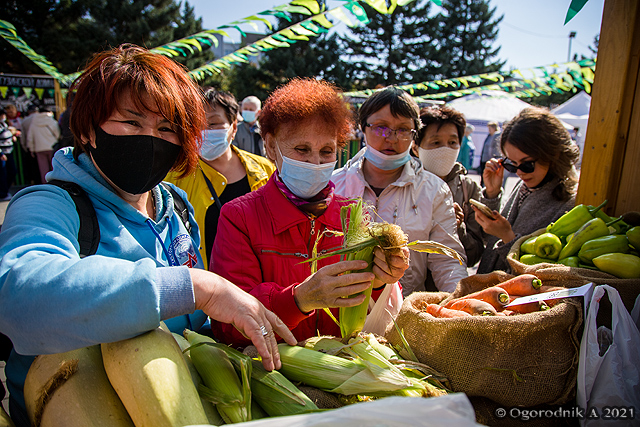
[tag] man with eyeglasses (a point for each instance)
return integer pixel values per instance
(400, 190)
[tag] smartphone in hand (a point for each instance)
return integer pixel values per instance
(483, 208)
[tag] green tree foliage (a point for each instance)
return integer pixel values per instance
(69, 32)
(466, 32)
(418, 43)
(395, 48)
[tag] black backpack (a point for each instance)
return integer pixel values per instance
(89, 232)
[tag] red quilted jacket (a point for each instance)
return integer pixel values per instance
(261, 241)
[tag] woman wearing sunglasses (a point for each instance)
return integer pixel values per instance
(540, 151)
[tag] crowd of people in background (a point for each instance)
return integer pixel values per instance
(261, 192)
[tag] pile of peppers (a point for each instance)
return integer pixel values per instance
(586, 237)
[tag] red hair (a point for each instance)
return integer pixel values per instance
(306, 98)
(129, 68)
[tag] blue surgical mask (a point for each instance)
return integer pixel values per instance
(384, 161)
(214, 143)
(305, 180)
(249, 116)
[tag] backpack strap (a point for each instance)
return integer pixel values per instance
(179, 206)
(89, 232)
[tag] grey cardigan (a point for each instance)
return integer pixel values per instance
(538, 210)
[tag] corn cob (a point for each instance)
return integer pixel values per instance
(221, 383)
(272, 393)
(276, 394)
(338, 375)
(363, 236)
(151, 378)
(210, 410)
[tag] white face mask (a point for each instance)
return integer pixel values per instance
(438, 161)
(304, 179)
(384, 161)
(249, 116)
(214, 143)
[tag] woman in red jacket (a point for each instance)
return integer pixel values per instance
(264, 236)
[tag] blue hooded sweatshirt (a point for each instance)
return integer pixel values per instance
(53, 301)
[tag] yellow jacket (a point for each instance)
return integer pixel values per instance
(258, 168)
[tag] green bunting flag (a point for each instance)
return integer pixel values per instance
(575, 7)
(526, 83)
(357, 11)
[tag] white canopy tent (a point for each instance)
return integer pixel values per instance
(484, 107)
(575, 112)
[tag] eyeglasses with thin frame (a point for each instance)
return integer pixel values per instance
(527, 167)
(402, 134)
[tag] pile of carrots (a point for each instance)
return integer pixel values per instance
(492, 301)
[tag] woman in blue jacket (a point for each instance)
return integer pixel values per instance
(135, 116)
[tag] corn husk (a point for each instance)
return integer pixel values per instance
(361, 237)
(221, 385)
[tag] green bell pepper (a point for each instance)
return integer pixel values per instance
(624, 266)
(613, 243)
(573, 220)
(619, 227)
(527, 246)
(633, 234)
(590, 230)
(530, 259)
(548, 246)
(570, 261)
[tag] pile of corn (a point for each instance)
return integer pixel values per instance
(164, 379)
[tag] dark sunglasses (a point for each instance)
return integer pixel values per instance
(526, 167)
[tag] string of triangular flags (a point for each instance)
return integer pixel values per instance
(314, 26)
(523, 83)
(187, 46)
(9, 33)
(576, 74)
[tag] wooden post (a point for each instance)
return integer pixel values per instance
(611, 161)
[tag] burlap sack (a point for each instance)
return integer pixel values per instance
(571, 277)
(524, 360)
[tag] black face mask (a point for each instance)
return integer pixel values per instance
(134, 163)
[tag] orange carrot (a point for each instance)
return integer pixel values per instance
(494, 295)
(553, 302)
(523, 285)
(528, 307)
(473, 306)
(440, 311)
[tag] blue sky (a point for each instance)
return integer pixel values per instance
(531, 34)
